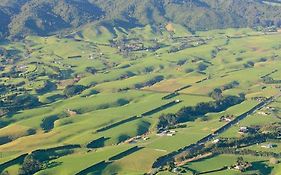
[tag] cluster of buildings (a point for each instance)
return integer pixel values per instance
(259, 99)
(267, 110)
(227, 118)
(166, 133)
(242, 166)
(247, 130)
(136, 139)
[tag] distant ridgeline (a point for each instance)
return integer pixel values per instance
(24, 17)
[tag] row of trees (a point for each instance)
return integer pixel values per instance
(150, 82)
(246, 152)
(231, 146)
(270, 80)
(190, 113)
(40, 159)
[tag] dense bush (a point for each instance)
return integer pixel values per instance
(216, 94)
(202, 67)
(91, 70)
(30, 166)
(72, 90)
(19, 102)
(270, 80)
(48, 123)
(230, 85)
(47, 86)
(191, 113)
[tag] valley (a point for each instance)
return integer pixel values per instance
(114, 100)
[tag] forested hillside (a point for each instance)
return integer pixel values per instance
(22, 17)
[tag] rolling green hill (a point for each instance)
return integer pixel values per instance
(134, 87)
(99, 94)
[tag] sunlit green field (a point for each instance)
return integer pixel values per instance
(112, 95)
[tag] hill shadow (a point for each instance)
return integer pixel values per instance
(95, 169)
(98, 143)
(262, 167)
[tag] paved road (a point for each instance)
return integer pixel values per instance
(163, 160)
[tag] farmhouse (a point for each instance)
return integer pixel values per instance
(259, 99)
(166, 133)
(241, 165)
(145, 138)
(268, 146)
(170, 134)
(71, 112)
(243, 130)
(216, 141)
(263, 113)
(270, 108)
(228, 118)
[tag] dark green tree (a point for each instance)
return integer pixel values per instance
(72, 90)
(30, 166)
(216, 94)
